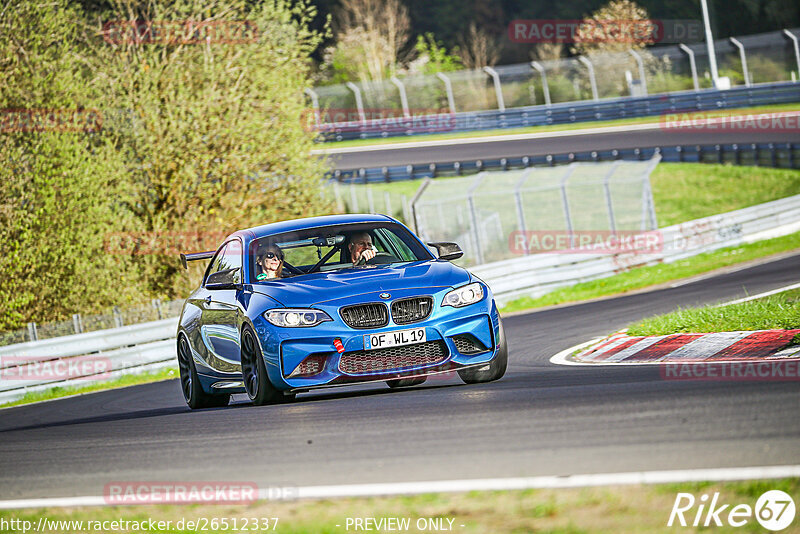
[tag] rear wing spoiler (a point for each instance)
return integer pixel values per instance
(194, 256)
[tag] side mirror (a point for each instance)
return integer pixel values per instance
(227, 279)
(447, 251)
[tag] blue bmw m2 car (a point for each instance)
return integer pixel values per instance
(354, 299)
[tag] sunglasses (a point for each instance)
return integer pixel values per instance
(271, 256)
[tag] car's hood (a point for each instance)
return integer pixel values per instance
(308, 290)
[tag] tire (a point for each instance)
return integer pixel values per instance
(406, 382)
(193, 392)
(254, 371)
(497, 367)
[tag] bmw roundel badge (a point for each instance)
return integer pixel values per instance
(385, 296)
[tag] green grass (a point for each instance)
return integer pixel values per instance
(538, 129)
(602, 509)
(781, 310)
(643, 277)
(687, 191)
(121, 382)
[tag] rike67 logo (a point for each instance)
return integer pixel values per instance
(774, 510)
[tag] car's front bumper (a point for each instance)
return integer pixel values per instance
(285, 349)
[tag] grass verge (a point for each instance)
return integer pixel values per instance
(538, 129)
(603, 509)
(642, 277)
(121, 382)
(781, 310)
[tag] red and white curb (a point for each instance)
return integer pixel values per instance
(620, 348)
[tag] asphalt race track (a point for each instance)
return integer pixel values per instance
(540, 419)
(601, 140)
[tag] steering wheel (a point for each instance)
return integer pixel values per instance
(380, 258)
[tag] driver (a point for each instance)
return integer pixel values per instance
(271, 262)
(360, 245)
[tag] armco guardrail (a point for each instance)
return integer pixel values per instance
(537, 274)
(81, 358)
(571, 112)
(783, 155)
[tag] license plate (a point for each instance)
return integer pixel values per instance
(398, 338)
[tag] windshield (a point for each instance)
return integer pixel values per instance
(332, 248)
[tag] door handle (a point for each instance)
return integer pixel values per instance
(208, 299)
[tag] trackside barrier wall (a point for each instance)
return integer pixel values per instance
(40, 365)
(781, 155)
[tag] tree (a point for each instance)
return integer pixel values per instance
(201, 133)
(370, 35)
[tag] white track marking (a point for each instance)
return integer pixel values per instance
(523, 137)
(486, 484)
(762, 295)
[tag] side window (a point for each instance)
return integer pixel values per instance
(404, 253)
(229, 257)
(214, 267)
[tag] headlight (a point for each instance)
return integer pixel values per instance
(463, 296)
(296, 317)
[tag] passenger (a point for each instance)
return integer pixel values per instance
(270, 260)
(360, 245)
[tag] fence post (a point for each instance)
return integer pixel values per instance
(647, 193)
(448, 87)
(370, 200)
(387, 199)
(117, 317)
(793, 37)
(33, 334)
(403, 99)
(315, 103)
(353, 199)
(520, 206)
(639, 62)
(473, 214)
(359, 103)
(425, 182)
(77, 323)
(607, 189)
(692, 64)
(545, 88)
(592, 80)
(157, 305)
(501, 105)
(337, 191)
(406, 211)
(742, 56)
(565, 202)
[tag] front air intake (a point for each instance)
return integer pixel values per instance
(372, 315)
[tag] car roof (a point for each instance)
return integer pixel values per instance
(311, 222)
